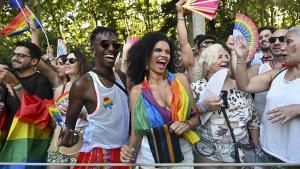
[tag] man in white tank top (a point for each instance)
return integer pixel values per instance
(106, 103)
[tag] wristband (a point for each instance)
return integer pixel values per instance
(18, 87)
(200, 105)
(180, 18)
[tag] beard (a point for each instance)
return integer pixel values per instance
(21, 68)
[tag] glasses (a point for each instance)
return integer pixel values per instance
(273, 39)
(105, 44)
(206, 44)
(19, 55)
(70, 60)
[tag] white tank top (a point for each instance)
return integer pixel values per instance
(260, 98)
(108, 125)
(282, 140)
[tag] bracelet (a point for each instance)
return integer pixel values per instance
(241, 62)
(51, 59)
(200, 105)
(18, 87)
(180, 18)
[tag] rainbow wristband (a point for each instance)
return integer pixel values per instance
(200, 105)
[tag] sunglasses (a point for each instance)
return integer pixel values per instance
(105, 44)
(19, 55)
(70, 60)
(206, 44)
(60, 63)
(273, 39)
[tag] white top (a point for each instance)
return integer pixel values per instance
(260, 98)
(282, 140)
(108, 125)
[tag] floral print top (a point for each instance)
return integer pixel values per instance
(216, 142)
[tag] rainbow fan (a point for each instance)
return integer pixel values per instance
(206, 8)
(61, 47)
(245, 27)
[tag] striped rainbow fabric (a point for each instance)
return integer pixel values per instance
(148, 114)
(18, 24)
(30, 133)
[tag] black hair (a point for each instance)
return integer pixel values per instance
(84, 65)
(140, 53)
(270, 28)
(102, 30)
(34, 50)
(201, 38)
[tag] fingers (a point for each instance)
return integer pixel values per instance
(127, 154)
(179, 127)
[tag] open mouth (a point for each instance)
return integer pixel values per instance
(110, 57)
(161, 64)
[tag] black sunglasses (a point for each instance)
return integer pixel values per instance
(70, 60)
(19, 55)
(206, 44)
(105, 44)
(273, 39)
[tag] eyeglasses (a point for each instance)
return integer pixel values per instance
(19, 55)
(206, 44)
(70, 60)
(273, 39)
(105, 44)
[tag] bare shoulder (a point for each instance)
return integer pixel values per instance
(83, 82)
(136, 90)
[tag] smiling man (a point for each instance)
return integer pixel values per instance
(103, 93)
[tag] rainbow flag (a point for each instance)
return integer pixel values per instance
(3, 128)
(61, 48)
(14, 4)
(18, 24)
(30, 133)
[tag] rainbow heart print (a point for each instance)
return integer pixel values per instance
(107, 102)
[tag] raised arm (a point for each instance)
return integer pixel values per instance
(253, 84)
(186, 49)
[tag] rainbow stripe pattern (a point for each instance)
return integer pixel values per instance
(61, 48)
(107, 102)
(30, 133)
(149, 114)
(18, 24)
(245, 27)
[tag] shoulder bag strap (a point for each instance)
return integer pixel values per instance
(114, 82)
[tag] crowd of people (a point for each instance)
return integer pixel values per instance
(149, 108)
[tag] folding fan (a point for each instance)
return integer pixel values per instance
(61, 47)
(206, 8)
(245, 27)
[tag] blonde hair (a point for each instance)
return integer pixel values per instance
(209, 57)
(295, 29)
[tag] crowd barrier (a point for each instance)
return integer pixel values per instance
(158, 165)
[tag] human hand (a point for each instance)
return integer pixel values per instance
(127, 154)
(284, 113)
(212, 103)
(68, 137)
(179, 127)
(230, 42)
(8, 78)
(31, 24)
(179, 7)
(241, 47)
(50, 50)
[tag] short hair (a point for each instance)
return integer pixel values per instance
(140, 53)
(84, 65)
(102, 30)
(34, 50)
(270, 28)
(295, 29)
(201, 38)
(209, 57)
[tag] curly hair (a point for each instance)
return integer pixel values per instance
(140, 53)
(34, 50)
(101, 30)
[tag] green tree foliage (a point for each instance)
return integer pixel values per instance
(74, 20)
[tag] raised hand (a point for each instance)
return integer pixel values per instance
(230, 42)
(179, 7)
(241, 47)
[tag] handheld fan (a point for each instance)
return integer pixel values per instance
(214, 86)
(61, 47)
(245, 27)
(206, 8)
(132, 40)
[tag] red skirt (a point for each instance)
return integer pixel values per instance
(100, 155)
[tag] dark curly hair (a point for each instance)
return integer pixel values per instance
(84, 65)
(139, 56)
(34, 50)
